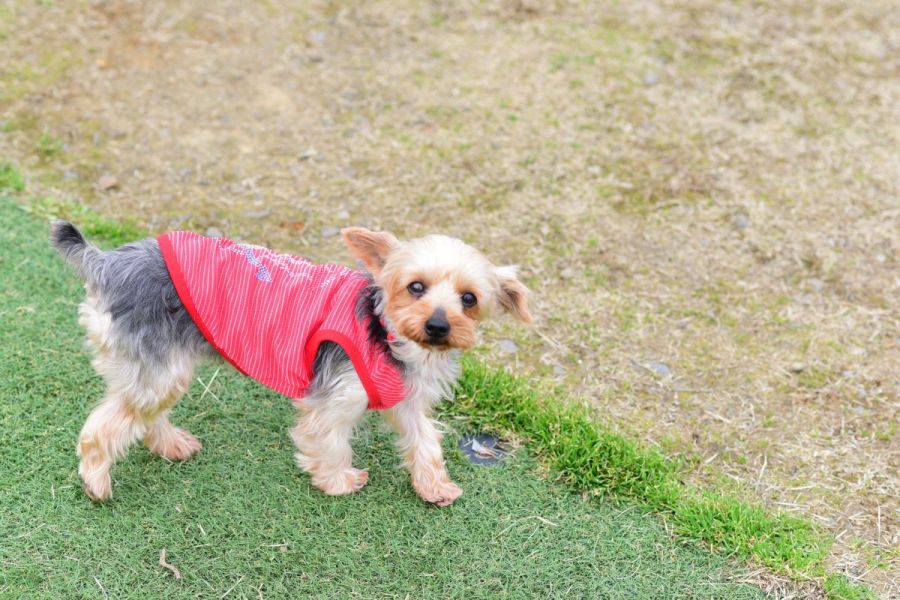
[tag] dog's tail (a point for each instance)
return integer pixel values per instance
(70, 243)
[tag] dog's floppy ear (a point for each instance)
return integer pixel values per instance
(513, 295)
(371, 247)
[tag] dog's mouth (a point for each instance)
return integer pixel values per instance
(433, 343)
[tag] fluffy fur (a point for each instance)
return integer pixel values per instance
(146, 347)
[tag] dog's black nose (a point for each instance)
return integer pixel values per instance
(437, 326)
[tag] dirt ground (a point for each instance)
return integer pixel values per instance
(702, 195)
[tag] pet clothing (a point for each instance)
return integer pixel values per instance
(267, 313)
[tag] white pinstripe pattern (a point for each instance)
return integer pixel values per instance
(266, 328)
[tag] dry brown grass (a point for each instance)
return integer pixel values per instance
(712, 186)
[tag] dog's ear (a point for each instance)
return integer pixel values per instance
(513, 295)
(371, 247)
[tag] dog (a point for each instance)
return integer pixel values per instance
(339, 341)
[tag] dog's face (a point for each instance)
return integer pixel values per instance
(437, 288)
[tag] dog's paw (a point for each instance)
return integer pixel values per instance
(98, 486)
(177, 444)
(440, 493)
(343, 482)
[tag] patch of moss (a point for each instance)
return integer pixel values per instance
(48, 146)
(813, 378)
(50, 67)
(11, 179)
(104, 231)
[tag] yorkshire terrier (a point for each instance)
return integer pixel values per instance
(337, 340)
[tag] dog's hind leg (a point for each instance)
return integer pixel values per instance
(170, 383)
(138, 397)
(108, 432)
(170, 442)
(137, 402)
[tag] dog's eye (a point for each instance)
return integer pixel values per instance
(416, 288)
(468, 299)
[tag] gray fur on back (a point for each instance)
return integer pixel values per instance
(134, 286)
(144, 305)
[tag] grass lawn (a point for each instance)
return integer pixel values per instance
(701, 194)
(240, 519)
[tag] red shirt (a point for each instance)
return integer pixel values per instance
(267, 313)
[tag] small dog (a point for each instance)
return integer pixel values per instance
(335, 339)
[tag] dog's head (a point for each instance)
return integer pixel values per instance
(437, 288)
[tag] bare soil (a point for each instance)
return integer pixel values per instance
(702, 195)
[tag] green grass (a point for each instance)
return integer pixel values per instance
(241, 519)
(48, 145)
(590, 459)
(96, 228)
(11, 179)
(837, 586)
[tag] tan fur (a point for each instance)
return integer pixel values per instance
(513, 295)
(371, 247)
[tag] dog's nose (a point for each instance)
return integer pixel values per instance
(437, 326)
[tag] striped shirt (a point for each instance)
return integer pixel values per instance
(267, 313)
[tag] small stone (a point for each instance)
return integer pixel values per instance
(317, 37)
(559, 370)
(257, 214)
(213, 232)
(651, 78)
(659, 368)
(647, 129)
(817, 285)
(740, 221)
(107, 181)
(328, 232)
(70, 175)
(343, 215)
(310, 153)
(797, 367)
(508, 346)
(683, 323)
(859, 410)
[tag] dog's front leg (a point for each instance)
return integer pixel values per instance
(323, 433)
(419, 443)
